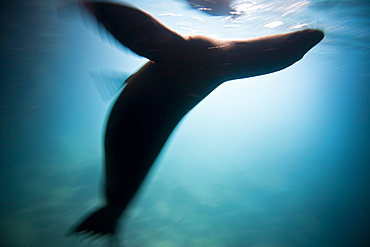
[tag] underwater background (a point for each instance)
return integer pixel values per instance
(277, 160)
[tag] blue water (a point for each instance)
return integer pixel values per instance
(279, 160)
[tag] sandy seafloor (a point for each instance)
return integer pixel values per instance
(280, 160)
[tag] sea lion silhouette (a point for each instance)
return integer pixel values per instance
(181, 71)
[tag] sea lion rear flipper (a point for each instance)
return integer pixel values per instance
(101, 222)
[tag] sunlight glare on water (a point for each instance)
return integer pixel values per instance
(275, 160)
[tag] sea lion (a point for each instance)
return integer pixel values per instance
(181, 71)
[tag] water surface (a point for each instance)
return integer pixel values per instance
(277, 160)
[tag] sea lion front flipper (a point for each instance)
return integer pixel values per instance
(135, 29)
(109, 82)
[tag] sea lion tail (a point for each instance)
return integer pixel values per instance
(101, 222)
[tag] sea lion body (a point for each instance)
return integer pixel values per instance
(182, 71)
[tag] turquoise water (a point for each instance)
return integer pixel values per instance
(272, 161)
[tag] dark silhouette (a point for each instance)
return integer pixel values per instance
(181, 72)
